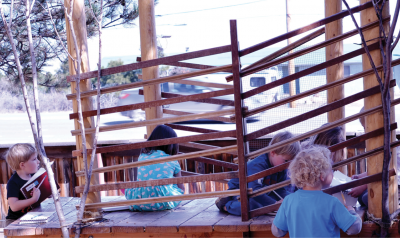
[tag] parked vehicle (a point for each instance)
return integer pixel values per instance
(131, 96)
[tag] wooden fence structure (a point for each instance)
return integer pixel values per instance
(238, 113)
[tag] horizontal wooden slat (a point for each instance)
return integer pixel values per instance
(154, 62)
(284, 50)
(188, 173)
(318, 130)
(157, 121)
(204, 84)
(180, 113)
(307, 50)
(315, 90)
(177, 99)
(352, 184)
(158, 182)
(217, 101)
(308, 71)
(315, 112)
(226, 193)
(301, 30)
(199, 146)
(150, 82)
(215, 162)
(177, 140)
(186, 65)
(332, 148)
(188, 128)
(160, 160)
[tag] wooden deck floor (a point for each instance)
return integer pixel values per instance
(197, 218)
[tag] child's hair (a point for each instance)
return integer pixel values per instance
(291, 149)
(19, 153)
(162, 132)
(309, 165)
(328, 138)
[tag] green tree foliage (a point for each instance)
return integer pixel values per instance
(46, 43)
(121, 78)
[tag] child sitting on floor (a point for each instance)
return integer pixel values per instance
(309, 212)
(263, 162)
(22, 158)
(157, 171)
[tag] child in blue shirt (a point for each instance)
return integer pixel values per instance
(263, 162)
(309, 212)
(157, 171)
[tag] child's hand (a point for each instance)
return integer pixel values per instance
(357, 191)
(350, 208)
(35, 194)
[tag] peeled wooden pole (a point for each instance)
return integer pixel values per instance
(291, 66)
(148, 43)
(79, 20)
(335, 72)
(374, 121)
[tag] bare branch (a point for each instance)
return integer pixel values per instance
(364, 44)
(393, 26)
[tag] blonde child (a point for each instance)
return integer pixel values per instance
(263, 162)
(22, 158)
(157, 171)
(309, 212)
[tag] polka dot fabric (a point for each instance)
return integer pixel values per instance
(152, 172)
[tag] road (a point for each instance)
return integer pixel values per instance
(15, 128)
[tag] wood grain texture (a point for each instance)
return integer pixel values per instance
(160, 160)
(204, 221)
(139, 145)
(154, 62)
(148, 82)
(157, 121)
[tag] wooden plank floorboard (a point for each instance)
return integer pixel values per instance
(53, 226)
(137, 222)
(16, 229)
(262, 223)
(204, 221)
(232, 223)
(171, 222)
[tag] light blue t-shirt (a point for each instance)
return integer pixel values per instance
(313, 214)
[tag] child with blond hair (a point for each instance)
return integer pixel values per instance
(263, 162)
(309, 212)
(22, 158)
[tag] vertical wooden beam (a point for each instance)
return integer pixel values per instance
(334, 72)
(240, 130)
(291, 66)
(375, 121)
(79, 19)
(148, 44)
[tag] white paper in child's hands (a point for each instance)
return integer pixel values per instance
(340, 178)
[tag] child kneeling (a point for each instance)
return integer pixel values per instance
(309, 212)
(261, 163)
(157, 171)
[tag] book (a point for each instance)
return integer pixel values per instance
(39, 180)
(343, 196)
(36, 217)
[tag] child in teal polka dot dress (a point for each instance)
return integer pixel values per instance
(157, 171)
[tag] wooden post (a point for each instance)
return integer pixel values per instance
(334, 72)
(291, 66)
(148, 44)
(375, 121)
(79, 19)
(240, 123)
